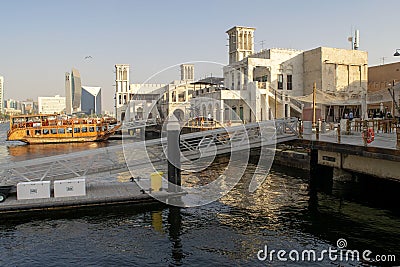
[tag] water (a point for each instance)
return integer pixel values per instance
(228, 232)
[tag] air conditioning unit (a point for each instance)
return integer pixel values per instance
(33, 190)
(70, 188)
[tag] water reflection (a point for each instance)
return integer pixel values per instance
(284, 213)
(175, 231)
(25, 152)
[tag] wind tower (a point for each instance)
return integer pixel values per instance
(241, 43)
(121, 90)
(187, 72)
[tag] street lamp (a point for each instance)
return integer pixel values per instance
(396, 54)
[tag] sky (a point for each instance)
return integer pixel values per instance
(41, 40)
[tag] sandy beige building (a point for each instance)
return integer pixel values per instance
(380, 79)
(270, 83)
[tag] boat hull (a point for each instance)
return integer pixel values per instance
(44, 140)
(62, 131)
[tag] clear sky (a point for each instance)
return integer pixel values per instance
(41, 40)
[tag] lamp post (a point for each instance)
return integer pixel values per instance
(314, 104)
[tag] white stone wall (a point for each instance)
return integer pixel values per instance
(121, 88)
(51, 105)
(337, 71)
(266, 65)
(145, 88)
(279, 61)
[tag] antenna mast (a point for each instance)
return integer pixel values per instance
(356, 40)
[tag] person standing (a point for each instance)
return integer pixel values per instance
(351, 116)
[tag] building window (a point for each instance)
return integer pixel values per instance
(280, 81)
(264, 78)
(239, 80)
(289, 82)
(181, 97)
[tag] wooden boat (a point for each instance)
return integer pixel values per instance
(199, 124)
(45, 128)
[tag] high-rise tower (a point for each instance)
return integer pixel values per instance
(241, 43)
(73, 91)
(68, 93)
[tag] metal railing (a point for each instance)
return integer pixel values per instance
(138, 124)
(377, 125)
(136, 155)
(297, 105)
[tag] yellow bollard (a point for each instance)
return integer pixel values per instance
(156, 181)
(156, 221)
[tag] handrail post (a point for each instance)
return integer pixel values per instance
(301, 129)
(174, 154)
(398, 136)
(348, 130)
(365, 132)
(338, 133)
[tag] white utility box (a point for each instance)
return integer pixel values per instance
(31, 190)
(70, 188)
(307, 128)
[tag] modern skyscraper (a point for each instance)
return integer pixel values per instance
(91, 100)
(73, 91)
(68, 93)
(1, 95)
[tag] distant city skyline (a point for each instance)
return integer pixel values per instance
(41, 40)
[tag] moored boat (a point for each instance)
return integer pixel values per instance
(199, 124)
(45, 128)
